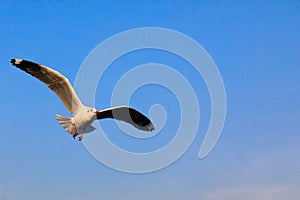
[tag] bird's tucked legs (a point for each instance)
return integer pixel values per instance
(80, 137)
(75, 133)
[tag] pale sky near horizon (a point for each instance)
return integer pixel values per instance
(256, 47)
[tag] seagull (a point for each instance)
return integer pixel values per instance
(83, 116)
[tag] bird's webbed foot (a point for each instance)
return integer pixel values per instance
(80, 137)
(74, 133)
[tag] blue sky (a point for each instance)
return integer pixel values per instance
(256, 47)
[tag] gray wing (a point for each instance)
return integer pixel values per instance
(54, 80)
(129, 115)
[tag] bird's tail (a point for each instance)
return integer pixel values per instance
(66, 123)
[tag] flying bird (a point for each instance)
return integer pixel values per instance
(83, 116)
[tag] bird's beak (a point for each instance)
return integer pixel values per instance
(97, 112)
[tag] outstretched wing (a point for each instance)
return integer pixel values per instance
(129, 115)
(54, 80)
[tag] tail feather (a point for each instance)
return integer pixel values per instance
(66, 123)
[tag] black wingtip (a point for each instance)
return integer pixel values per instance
(149, 127)
(15, 62)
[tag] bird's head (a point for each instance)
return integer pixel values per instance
(91, 112)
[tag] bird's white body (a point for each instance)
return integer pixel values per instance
(80, 123)
(84, 118)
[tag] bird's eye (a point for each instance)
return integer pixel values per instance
(88, 111)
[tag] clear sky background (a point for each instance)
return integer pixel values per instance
(256, 47)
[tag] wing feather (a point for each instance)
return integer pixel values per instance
(129, 115)
(54, 80)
